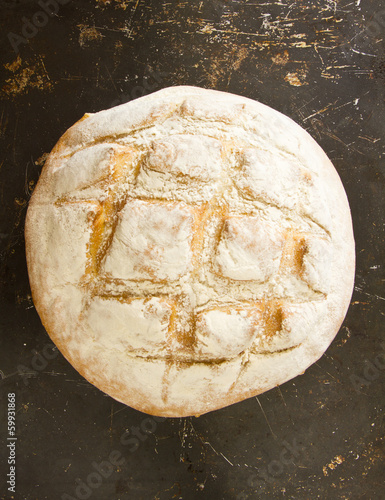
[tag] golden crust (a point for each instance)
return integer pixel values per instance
(283, 306)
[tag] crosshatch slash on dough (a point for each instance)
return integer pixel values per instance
(123, 162)
(191, 255)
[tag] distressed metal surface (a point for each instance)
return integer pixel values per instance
(323, 64)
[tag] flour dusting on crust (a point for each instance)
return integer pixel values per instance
(189, 249)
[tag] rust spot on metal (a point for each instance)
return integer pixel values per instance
(281, 59)
(88, 34)
(296, 79)
(26, 75)
(337, 460)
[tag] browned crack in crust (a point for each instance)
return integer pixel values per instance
(166, 380)
(104, 227)
(285, 210)
(293, 253)
(291, 263)
(262, 352)
(160, 115)
(106, 220)
(183, 342)
(102, 184)
(186, 361)
(273, 318)
(212, 210)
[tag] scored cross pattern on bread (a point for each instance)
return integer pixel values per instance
(196, 254)
(199, 238)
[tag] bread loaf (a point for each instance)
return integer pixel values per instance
(189, 249)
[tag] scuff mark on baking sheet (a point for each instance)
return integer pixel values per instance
(3, 123)
(129, 24)
(273, 27)
(41, 160)
(53, 373)
(183, 435)
(366, 457)
(79, 384)
(188, 431)
(265, 416)
(219, 453)
(176, 495)
(27, 75)
(325, 108)
(284, 402)
(324, 130)
(330, 375)
(111, 419)
(281, 59)
(225, 64)
(372, 140)
(88, 34)
(294, 79)
(122, 4)
(60, 428)
(358, 289)
(347, 334)
(14, 139)
(15, 65)
(337, 460)
(290, 41)
(238, 57)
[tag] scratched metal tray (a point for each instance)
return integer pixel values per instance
(322, 63)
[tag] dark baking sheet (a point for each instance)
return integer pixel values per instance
(322, 63)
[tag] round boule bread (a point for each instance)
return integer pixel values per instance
(189, 249)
